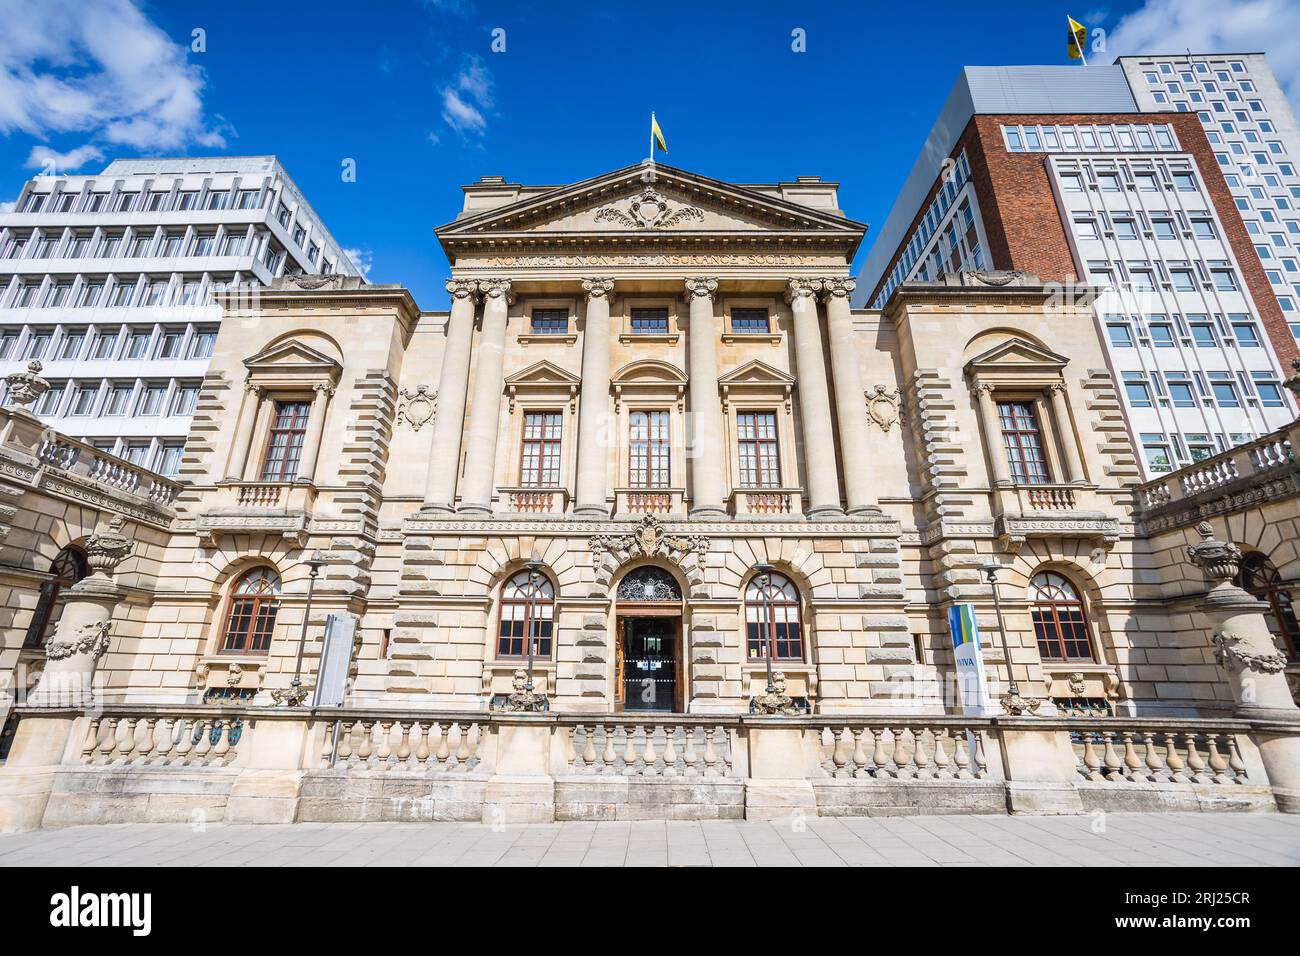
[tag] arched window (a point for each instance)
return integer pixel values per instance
(648, 585)
(1261, 578)
(1059, 619)
(527, 608)
(772, 618)
(250, 620)
(68, 567)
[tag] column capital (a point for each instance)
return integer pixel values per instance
(251, 387)
(701, 287)
(838, 287)
(802, 288)
(497, 289)
(1057, 388)
(325, 387)
(982, 388)
(597, 288)
(463, 288)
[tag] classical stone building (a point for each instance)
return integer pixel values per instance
(653, 444)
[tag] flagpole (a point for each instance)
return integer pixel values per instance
(1069, 27)
(652, 140)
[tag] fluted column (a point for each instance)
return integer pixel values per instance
(705, 451)
(814, 402)
(453, 382)
(243, 437)
(315, 429)
(988, 410)
(592, 491)
(1065, 428)
(850, 400)
(485, 409)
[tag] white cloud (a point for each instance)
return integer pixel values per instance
(363, 259)
(465, 101)
(1216, 26)
(44, 158)
(101, 68)
(7, 206)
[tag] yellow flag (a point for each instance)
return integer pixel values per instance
(657, 134)
(1078, 37)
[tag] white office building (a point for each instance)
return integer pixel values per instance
(108, 281)
(1252, 129)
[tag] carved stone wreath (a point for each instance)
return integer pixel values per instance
(648, 540)
(1229, 652)
(91, 638)
(649, 210)
(882, 406)
(416, 408)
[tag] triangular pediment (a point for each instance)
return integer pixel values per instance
(542, 374)
(669, 207)
(1017, 353)
(756, 373)
(293, 358)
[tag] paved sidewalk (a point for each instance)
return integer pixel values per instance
(1196, 839)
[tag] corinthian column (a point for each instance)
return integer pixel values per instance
(814, 402)
(449, 425)
(705, 451)
(315, 429)
(593, 404)
(244, 426)
(988, 410)
(1065, 428)
(81, 637)
(485, 409)
(850, 403)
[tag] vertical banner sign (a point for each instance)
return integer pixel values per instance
(972, 685)
(335, 660)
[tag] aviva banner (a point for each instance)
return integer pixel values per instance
(972, 685)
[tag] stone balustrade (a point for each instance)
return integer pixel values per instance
(644, 501)
(905, 750)
(177, 739)
(425, 744)
(86, 461)
(1265, 468)
(283, 764)
(675, 747)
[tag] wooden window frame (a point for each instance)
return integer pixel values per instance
(284, 472)
(742, 443)
(1058, 643)
(548, 641)
(256, 603)
(1019, 459)
(543, 444)
(651, 445)
(772, 642)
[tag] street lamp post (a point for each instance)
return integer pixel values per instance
(764, 581)
(534, 580)
(523, 697)
(296, 694)
(1011, 701)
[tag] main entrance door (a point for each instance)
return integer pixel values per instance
(649, 663)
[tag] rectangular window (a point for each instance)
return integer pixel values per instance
(750, 320)
(137, 344)
(119, 400)
(649, 449)
(106, 343)
(38, 340)
(649, 321)
(1155, 448)
(170, 345)
(184, 400)
(8, 340)
(70, 347)
(169, 459)
(1225, 392)
(284, 444)
(1270, 393)
(549, 322)
(201, 344)
(539, 462)
(83, 399)
(1023, 443)
(151, 400)
(759, 454)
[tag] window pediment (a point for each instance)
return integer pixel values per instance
(1016, 361)
(756, 379)
(290, 364)
(543, 380)
(649, 378)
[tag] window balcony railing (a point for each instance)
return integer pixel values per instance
(647, 501)
(767, 502)
(535, 501)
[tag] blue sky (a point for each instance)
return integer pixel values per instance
(414, 93)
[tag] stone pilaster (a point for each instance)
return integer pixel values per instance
(485, 410)
(592, 486)
(823, 480)
(243, 438)
(707, 487)
(988, 411)
(453, 385)
(1065, 428)
(315, 429)
(850, 405)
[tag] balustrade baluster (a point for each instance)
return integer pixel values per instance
(941, 771)
(366, 746)
(1155, 763)
(879, 757)
(610, 755)
(203, 745)
(842, 751)
(1131, 762)
(184, 739)
(422, 744)
(981, 754)
(1091, 762)
(689, 756)
(345, 741)
(443, 753)
(1114, 766)
(670, 752)
(629, 750)
(1194, 762)
(1217, 763)
(1234, 759)
(859, 753)
(165, 739)
(223, 740)
(900, 755)
(91, 741)
(589, 752)
(1173, 759)
(327, 742)
(710, 755)
(385, 741)
(649, 755)
(462, 747)
(962, 757)
(919, 757)
(404, 729)
(144, 740)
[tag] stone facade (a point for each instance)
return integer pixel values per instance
(894, 492)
